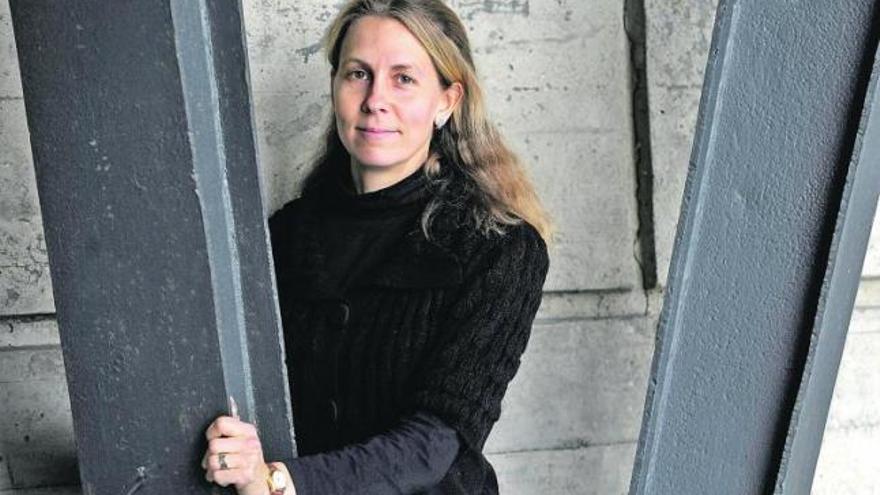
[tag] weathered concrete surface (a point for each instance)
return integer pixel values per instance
(161, 84)
(5, 480)
(29, 365)
(290, 88)
(599, 304)
(678, 44)
(857, 390)
(678, 36)
(848, 462)
(869, 293)
(36, 433)
(290, 95)
(598, 470)
(872, 258)
(10, 78)
(25, 285)
(592, 394)
(571, 123)
(731, 223)
(28, 332)
(580, 383)
(865, 320)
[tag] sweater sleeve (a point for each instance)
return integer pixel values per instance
(411, 457)
(486, 332)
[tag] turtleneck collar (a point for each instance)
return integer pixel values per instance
(406, 192)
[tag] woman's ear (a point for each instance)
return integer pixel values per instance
(451, 98)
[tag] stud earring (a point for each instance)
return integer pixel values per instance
(439, 121)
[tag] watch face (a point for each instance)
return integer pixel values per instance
(278, 480)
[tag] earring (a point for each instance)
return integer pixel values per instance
(439, 121)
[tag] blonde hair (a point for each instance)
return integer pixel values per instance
(469, 142)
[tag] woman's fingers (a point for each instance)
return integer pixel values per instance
(227, 426)
(228, 477)
(238, 444)
(227, 445)
(232, 461)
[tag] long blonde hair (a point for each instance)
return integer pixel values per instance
(469, 142)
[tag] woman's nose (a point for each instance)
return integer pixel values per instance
(376, 99)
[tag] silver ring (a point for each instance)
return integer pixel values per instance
(222, 458)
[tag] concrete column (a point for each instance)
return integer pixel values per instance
(141, 132)
(776, 214)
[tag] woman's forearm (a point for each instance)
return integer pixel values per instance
(411, 457)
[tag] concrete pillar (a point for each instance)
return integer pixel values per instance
(141, 132)
(783, 184)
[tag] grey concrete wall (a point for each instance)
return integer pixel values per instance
(25, 287)
(557, 77)
(678, 47)
(570, 121)
(848, 462)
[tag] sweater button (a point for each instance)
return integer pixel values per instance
(333, 410)
(341, 315)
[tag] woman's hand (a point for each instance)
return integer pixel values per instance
(235, 443)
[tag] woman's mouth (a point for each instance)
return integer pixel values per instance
(375, 132)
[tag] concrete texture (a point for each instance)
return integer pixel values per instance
(36, 434)
(10, 79)
(25, 284)
(678, 36)
(598, 470)
(161, 247)
(678, 42)
(872, 259)
(869, 292)
(581, 383)
(556, 80)
(722, 385)
(571, 123)
(678, 45)
(865, 320)
(598, 304)
(848, 462)
(857, 389)
(28, 332)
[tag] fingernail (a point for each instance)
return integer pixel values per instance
(233, 407)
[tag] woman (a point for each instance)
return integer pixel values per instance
(409, 272)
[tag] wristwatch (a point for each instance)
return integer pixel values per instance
(277, 481)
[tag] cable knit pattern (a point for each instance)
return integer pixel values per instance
(437, 326)
(484, 335)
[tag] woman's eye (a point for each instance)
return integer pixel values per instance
(357, 74)
(406, 79)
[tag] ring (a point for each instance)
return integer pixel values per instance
(222, 458)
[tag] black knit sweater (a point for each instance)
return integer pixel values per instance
(433, 325)
(358, 230)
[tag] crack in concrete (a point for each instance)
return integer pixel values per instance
(576, 444)
(644, 247)
(468, 9)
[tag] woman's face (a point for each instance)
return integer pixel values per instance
(386, 95)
